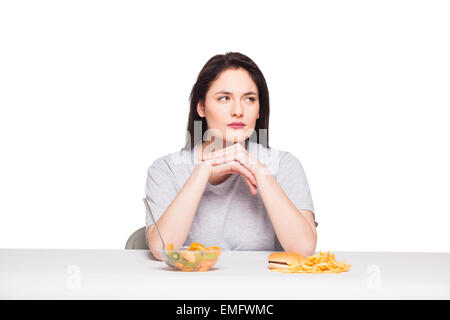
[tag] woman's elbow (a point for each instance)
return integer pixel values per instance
(308, 252)
(153, 246)
(155, 253)
(305, 249)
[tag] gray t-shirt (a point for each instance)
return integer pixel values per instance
(228, 215)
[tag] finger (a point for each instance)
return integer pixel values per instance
(239, 154)
(244, 171)
(250, 185)
(235, 167)
(242, 157)
(208, 162)
(224, 158)
(220, 153)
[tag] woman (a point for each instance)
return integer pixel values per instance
(225, 188)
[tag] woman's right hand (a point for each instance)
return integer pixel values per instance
(233, 167)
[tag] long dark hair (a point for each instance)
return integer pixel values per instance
(210, 72)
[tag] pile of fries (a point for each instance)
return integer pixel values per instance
(323, 262)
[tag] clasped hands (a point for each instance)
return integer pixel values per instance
(235, 159)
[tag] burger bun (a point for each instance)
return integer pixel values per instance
(282, 260)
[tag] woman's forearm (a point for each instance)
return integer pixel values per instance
(293, 230)
(175, 223)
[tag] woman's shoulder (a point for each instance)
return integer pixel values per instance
(173, 162)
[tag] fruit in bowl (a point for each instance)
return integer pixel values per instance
(196, 257)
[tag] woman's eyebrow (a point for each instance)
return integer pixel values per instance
(227, 92)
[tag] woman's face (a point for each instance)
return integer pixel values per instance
(233, 97)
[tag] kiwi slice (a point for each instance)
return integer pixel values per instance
(174, 256)
(199, 257)
(188, 265)
(210, 256)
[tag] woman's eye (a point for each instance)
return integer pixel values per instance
(251, 98)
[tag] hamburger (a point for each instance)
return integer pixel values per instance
(283, 260)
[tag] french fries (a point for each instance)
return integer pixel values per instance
(322, 262)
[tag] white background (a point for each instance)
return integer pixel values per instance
(92, 92)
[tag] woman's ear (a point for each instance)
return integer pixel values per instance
(200, 109)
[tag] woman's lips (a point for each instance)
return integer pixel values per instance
(236, 125)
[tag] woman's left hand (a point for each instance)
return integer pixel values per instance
(238, 153)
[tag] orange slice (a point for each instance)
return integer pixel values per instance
(213, 248)
(196, 246)
(170, 247)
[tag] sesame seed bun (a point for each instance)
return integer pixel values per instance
(279, 260)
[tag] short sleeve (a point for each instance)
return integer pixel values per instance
(292, 179)
(160, 190)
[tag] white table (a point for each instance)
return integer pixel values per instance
(133, 274)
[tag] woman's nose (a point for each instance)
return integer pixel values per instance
(237, 109)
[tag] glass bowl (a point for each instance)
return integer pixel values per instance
(184, 259)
